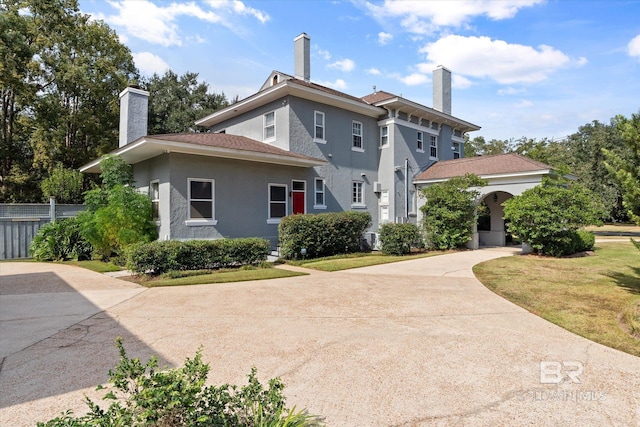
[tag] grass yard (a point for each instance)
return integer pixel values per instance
(355, 260)
(596, 296)
(97, 266)
(616, 228)
(211, 277)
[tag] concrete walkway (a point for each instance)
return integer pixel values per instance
(416, 343)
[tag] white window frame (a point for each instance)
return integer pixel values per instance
(316, 193)
(420, 142)
(201, 221)
(155, 199)
(456, 149)
(322, 126)
(433, 144)
(276, 220)
(384, 209)
(384, 136)
(355, 135)
(355, 201)
(266, 138)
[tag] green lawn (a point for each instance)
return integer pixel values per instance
(596, 296)
(97, 266)
(220, 276)
(362, 259)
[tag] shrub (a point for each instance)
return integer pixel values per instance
(59, 241)
(449, 211)
(322, 234)
(141, 395)
(161, 256)
(398, 239)
(548, 217)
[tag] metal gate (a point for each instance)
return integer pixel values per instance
(20, 222)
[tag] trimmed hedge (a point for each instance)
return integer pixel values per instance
(161, 256)
(323, 234)
(398, 239)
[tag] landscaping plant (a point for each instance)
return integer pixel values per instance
(549, 217)
(449, 211)
(141, 395)
(398, 239)
(60, 241)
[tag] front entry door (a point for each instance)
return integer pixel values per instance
(298, 194)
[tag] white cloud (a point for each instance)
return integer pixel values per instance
(460, 82)
(154, 23)
(373, 71)
(343, 65)
(511, 91)
(424, 17)
(339, 84)
(414, 79)
(525, 103)
(503, 62)
(384, 38)
(324, 54)
(148, 63)
(633, 48)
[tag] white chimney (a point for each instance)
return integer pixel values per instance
(442, 89)
(134, 112)
(302, 56)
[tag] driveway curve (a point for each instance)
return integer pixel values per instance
(414, 343)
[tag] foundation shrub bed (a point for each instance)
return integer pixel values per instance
(162, 256)
(322, 234)
(398, 239)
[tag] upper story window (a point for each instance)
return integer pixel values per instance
(433, 146)
(456, 150)
(420, 142)
(201, 202)
(384, 136)
(356, 130)
(318, 127)
(269, 126)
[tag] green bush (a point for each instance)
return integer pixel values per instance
(398, 239)
(170, 255)
(322, 234)
(548, 217)
(449, 211)
(584, 241)
(60, 241)
(140, 395)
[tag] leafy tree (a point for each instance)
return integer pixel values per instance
(449, 211)
(176, 102)
(59, 83)
(63, 184)
(117, 214)
(478, 146)
(626, 169)
(548, 216)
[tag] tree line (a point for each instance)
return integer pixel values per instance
(587, 154)
(60, 76)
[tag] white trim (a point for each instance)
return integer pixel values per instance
(400, 122)
(157, 200)
(431, 138)
(201, 221)
(540, 172)
(316, 192)
(324, 128)
(420, 141)
(361, 203)
(264, 126)
(276, 220)
(383, 144)
(353, 134)
(299, 191)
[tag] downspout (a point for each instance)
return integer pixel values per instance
(406, 189)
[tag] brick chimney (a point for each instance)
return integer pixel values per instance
(134, 114)
(442, 89)
(302, 57)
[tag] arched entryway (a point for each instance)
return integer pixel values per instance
(491, 226)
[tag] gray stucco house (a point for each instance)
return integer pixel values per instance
(292, 147)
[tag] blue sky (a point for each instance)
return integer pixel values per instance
(531, 68)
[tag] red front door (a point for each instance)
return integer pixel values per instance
(298, 196)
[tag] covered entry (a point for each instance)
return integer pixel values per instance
(507, 175)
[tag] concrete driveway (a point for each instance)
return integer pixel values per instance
(416, 343)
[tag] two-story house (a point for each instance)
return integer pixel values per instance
(292, 147)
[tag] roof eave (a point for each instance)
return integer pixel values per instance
(539, 172)
(147, 147)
